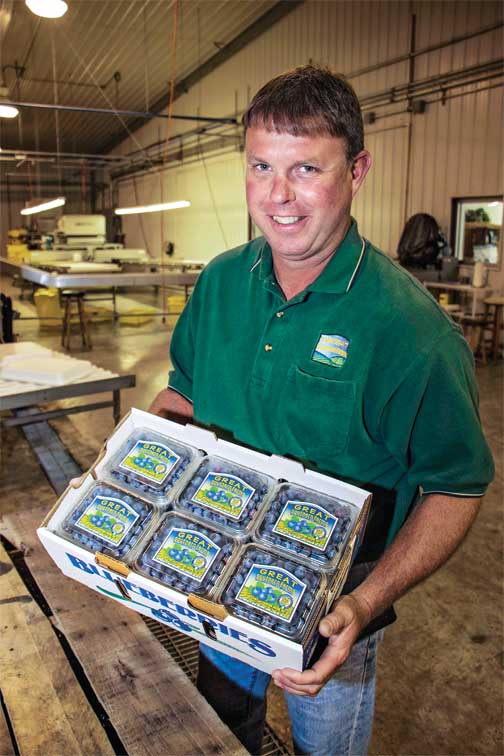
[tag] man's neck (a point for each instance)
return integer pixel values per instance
(293, 280)
(294, 275)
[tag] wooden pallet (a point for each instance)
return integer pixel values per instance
(150, 705)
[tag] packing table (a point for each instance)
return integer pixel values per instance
(15, 395)
(85, 280)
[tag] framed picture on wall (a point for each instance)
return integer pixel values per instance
(476, 230)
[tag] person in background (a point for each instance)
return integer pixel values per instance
(310, 342)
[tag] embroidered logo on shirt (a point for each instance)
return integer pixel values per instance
(331, 349)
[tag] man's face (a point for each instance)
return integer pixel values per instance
(299, 191)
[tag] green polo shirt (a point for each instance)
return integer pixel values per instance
(361, 376)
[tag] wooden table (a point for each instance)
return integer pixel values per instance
(498, 304)
(474, 292)
(81, 674)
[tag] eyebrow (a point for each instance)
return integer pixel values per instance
(306, 161)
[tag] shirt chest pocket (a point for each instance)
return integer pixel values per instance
(315, 414)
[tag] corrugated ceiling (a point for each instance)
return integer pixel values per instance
(73, 61)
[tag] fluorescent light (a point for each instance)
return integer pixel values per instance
(49, 205)
(151, 208)
(6, 109)
(47, 8)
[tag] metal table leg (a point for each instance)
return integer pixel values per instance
(116, 405)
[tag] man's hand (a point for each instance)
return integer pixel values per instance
(172, 406)
(343, 625)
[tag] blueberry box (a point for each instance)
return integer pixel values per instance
(307, 524)
(186, 555)
(108, 520)
(225, 494)
(256, 633)
(150, 465)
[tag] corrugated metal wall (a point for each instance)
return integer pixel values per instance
(420, 161)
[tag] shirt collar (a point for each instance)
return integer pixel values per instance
(263, 263)
(340, 272)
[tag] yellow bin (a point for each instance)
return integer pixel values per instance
(137, 316)
(48, 306)
(175, 304)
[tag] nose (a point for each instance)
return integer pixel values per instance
(282, 190)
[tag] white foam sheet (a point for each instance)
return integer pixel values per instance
(11, 387)
(21, 349)
(51, 370)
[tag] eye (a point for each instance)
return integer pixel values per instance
(260, 167)
(307, 170)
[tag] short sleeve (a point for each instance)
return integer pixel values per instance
(182, 349)
(431, 422)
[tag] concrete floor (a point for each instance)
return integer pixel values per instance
(440, 669)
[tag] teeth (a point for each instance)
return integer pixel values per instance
(285, 220)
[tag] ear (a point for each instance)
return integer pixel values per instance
(360, 166)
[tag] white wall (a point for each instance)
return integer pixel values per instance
(420, 162)
(216, 220)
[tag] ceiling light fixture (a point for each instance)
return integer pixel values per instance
(152, 208)
(42, 206)
(47, 8)
(6, 109)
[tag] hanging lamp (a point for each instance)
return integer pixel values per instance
(47, 8)
(6, 109)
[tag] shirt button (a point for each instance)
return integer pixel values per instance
(280, 314)
(268, 347)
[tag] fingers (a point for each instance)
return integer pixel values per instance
(311, 681)
(342, 626)
(349, 611)
(336, 621)
(76, 482)
(306, 683)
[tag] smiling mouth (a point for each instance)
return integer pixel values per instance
(288, 220)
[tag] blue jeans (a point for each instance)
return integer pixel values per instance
(336, 722)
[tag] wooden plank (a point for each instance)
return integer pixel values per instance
(45, 703)
(153, 706)
(6, 745)
(50, 452)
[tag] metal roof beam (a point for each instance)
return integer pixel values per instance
(265, 22)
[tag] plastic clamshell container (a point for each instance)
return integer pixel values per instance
(109, 521)
(226, 494)
(278, 594)
(307, 525)
(186, 555)
(150, 465)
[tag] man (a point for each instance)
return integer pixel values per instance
(311, 343)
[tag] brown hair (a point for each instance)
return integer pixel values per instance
(308, 101)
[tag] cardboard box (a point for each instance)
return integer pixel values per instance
(205, 620)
